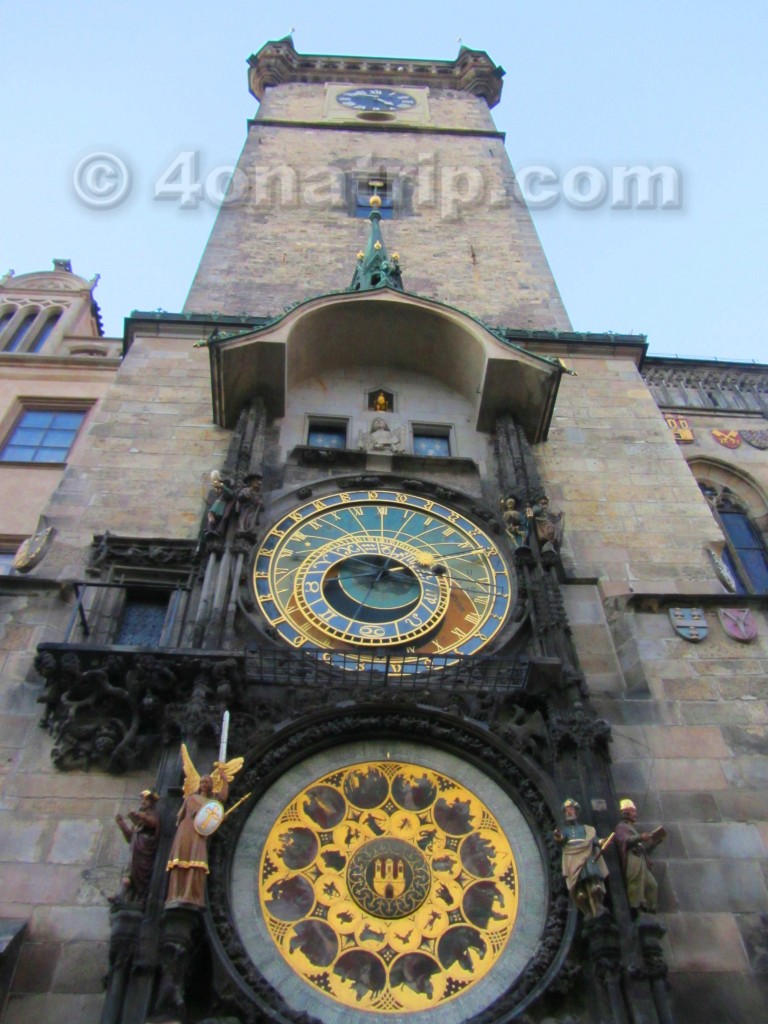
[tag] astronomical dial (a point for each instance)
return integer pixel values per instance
(384, 100)
(382, 573)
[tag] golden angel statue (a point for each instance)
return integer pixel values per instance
(199, 816)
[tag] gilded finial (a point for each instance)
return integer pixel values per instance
(375, 201)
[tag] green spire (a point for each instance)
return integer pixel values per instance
(374, 268)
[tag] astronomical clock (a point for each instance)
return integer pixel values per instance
(391, 861)
(383, 575)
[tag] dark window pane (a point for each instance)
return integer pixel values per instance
(756, 566)
(44, 332)
(143, 620)
(327, 437)
(424, 444)
(20, 333)
(739, 529)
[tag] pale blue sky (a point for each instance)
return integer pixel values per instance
(596, 83)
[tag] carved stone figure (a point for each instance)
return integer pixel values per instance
(548, 524)
(583, 866)
(515, 522)
(381, 438)
(634, 849)
(197, 819)
(249, 506)
(142, 833)
(221, 505)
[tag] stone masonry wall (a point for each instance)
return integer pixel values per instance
(464, 239)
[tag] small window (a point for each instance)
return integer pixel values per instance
(368, 186)
(432, 441)
(6, 562)
(143, 618)
(45, 331)
(746, 554)
(42, 435)
(23, 329)
(327, 433)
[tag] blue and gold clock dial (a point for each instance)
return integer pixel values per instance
(383, 100)
(367, 571)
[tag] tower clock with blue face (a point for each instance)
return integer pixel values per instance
(376, 100)
(384, 575)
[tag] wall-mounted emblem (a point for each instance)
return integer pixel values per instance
(757, 438)
(34, 549)
(739, 623)
(681, 429)
(689, 623)
(727, 438)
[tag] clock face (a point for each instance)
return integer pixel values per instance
(385, 100)
(382, 574)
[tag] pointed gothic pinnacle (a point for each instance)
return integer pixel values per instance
(374, 268)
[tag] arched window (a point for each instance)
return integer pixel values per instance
(21, 331)
(45, 331)
(746, 554)
(5, 319)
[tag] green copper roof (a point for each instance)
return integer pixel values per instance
(374, 268)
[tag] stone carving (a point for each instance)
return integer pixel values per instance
(515, 522)
(220, 505)
(142, 833)
(547, 524)
(381, 438)
(583, 866)
(248, 507)
(634, 849)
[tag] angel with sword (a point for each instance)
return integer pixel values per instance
(199, 816)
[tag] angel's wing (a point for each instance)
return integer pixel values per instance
(225, 772)
(191, 774)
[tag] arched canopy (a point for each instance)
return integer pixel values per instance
(391, 329)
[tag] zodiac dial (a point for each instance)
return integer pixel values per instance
(382, 574)
(388, 886)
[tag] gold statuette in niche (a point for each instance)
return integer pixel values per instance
(388, 886)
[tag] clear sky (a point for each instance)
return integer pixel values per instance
(596, 84)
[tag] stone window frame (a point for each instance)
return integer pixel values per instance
(728, 491)
(319, 422)
(40, 314)
(24, 405)
(436, 430)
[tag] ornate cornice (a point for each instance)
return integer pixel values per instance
(278, 63)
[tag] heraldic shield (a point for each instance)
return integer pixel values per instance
(739, 623)
(689, 623)
(209, 817)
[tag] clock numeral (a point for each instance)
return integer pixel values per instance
(473, 618)
(401, 499)
(319, 505)
(429, 505)
(345, 496)
(296, 516)
(373, 495)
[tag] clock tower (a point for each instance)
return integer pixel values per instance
(422, 493)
